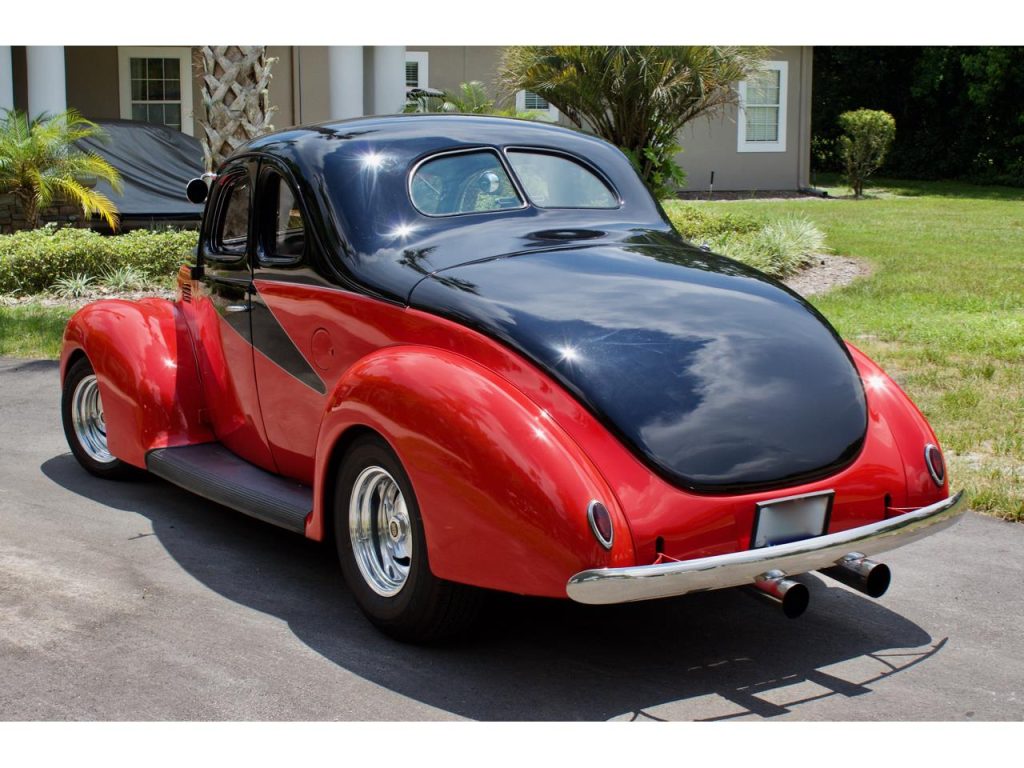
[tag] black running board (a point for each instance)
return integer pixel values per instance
(215, 473)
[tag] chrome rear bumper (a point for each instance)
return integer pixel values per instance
(647, 582)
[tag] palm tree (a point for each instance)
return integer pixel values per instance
(40, 164)
(236, 79)
(637, 97)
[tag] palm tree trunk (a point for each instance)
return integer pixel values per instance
(30, 209)
(235, 97)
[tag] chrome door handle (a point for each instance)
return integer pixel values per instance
(236, 308)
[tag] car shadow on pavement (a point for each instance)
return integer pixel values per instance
(715, 655)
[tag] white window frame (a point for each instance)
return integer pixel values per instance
(422, 59)
(742, 145)
(551, 111)
(124, 76)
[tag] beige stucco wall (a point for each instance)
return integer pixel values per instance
(710, 145)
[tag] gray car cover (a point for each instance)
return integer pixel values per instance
(155, 164)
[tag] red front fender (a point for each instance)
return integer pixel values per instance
(503, 491)
(143, 358)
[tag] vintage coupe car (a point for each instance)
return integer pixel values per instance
(474, 353)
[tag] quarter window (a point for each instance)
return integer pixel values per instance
(468, 182)
(552, 181)
(233, 228)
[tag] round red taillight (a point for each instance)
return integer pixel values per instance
(936, 466)
(601, 523)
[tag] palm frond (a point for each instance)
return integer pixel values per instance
(41, 162)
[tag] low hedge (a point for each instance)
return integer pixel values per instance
(779, 247)
(32, 261)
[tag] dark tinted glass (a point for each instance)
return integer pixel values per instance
(469, 182)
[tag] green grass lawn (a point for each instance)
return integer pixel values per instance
(943, 313)
(32, 330)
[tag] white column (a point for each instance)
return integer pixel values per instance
(6, 79)
(47, 91)
(345, 80)
(388, 79)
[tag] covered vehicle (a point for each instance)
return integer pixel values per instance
(475, 354)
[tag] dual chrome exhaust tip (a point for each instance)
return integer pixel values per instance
(854, 570)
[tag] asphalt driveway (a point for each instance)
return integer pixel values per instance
(138, 601)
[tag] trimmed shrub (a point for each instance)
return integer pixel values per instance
(697, 225)
(37, 260)
(867, 136)
(779, 248)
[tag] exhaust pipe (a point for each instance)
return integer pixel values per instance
(864, 575)
(792, 595)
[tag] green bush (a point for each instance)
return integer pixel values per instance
(37, 260)
(696, 224)
(778, 248)
(867, 136)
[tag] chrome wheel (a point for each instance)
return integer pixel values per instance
(380, 530)
(88, 422)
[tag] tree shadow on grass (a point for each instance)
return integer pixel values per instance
(714, 655)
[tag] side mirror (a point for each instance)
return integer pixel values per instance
(197, 189)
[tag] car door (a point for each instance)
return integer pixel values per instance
(285, 326)
(223, 316)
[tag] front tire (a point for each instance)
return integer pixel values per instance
(382, 548)
(85, 426)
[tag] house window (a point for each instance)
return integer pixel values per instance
(528, 101)
(156, 86)
(416, 70)
(762, 113)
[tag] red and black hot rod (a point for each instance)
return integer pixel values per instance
(474, 353)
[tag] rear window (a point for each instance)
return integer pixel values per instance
(553, 181)
(467, 182)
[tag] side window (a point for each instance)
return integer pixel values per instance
(552, 181)
(284, 231)
(232, 229)
(465, 182)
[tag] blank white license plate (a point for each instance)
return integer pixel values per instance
(793, 518)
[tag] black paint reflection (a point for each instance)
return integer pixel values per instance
(717, 377)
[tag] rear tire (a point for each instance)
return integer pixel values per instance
(84, 425)
(382, 548)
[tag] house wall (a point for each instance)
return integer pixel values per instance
(710, 145)
(91, 77)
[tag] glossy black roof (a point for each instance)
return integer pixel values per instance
(354, 175)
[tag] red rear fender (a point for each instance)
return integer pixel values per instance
(146, 367)
(503, 491)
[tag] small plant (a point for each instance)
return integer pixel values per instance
(73, 286)
(867, 136)
(40, 164)
(123, 278)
